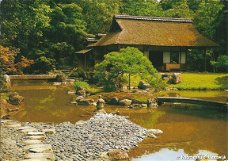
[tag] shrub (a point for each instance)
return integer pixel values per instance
(221, 64)
(110, 72)
(80, 84)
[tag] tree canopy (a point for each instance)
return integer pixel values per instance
(9, 65)
(51, 31)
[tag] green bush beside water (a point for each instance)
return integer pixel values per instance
(86, 86)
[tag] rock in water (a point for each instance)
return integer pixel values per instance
(87, 140)
(15, 99)
(114, 101)
(125, 102)
(118, 155)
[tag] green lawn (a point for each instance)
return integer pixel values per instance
(202, 81)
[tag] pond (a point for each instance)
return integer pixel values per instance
(187, 130)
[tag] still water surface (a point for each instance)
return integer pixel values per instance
(187, 130)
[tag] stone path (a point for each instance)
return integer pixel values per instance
(33, 141)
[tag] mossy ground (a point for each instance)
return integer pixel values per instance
(202, 81)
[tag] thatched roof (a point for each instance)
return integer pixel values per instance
(154, 31)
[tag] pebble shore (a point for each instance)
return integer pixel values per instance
(84, 140)
(10, 144)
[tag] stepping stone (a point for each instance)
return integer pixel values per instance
(40, 150)
(47, 146)
(29, 130)
(40, 155)
(30, 142)
(25, 127)
(35, 133)
(49, 131)
(5, 121)
(13, 125)
(40, 137)
(11, 122)
(37, 159)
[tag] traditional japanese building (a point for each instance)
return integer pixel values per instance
(164, 41)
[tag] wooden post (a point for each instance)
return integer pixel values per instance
(129, 82)
(205, 59)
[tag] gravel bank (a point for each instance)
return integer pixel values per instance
(85, 140)
(10, 140)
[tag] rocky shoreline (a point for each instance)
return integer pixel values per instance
(89, 140)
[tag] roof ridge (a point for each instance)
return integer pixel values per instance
(148, 18)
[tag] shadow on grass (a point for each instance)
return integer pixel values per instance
(222, 81)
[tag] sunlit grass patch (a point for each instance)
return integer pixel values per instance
(202, 81)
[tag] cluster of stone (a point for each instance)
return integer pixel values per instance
(102, 137)
(90, 140)
(151, 103)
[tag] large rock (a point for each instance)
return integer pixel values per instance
(175, 78)
(116, 155)
(79, 98)
(143, 85)
(15, 99)
(152, 103)
(84, 101)
(136, 106)
(153, 132)
(81, 92)
(114, 101)
(61, 77)
(125, 102)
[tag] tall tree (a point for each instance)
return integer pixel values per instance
(67, 30)
(206, 17)
(44, 31)
(98, 14)
(180, 10)
(23, 23)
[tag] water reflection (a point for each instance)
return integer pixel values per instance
(166, 154)
(188, 130)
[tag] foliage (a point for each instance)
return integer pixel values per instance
(180, 10)
(43, 65)
(98, 14)
(23, 23)
(206, 15)
(194, 60)
(9, 63)
(192, 5)
(67, 30)
(110, 72)
(45, 31)
(49, 32)
(196, 81)
(81, 84)
(221, 64)
(141, 8)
